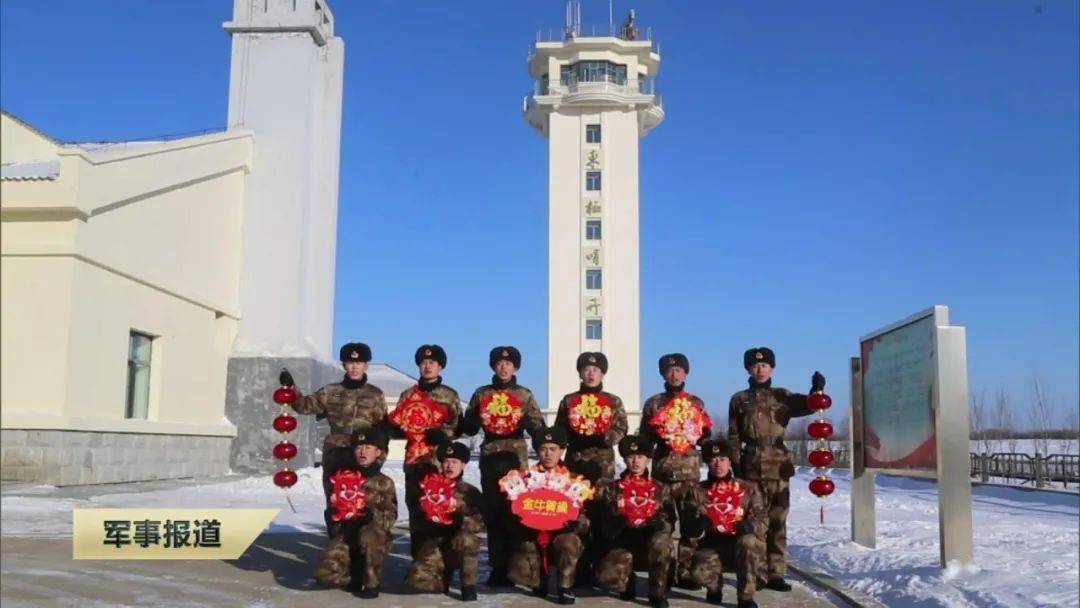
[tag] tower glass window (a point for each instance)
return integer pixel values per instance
(592, 134)
(592, 180)
(594, 329)
(593, 278)
(138, 380)
(592, 71)
(592, 230)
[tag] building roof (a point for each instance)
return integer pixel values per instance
(48, 169)
(391, 380)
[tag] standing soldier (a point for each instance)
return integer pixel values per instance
(427, 414)
(567, 544)
(638, 521)
(451, 519)
(360, 544)
(739, 543)
(349, 405)
(504, 410)
(676, 422)
(757, 420)
(595, 422)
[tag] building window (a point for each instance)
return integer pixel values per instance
(592, 180)
(138, 379)
(592, 230)
(593, 278)
(592, 134)
(593, 329)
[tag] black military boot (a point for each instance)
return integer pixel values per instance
(777, 583)
(746, 604)
(715, 597)
(630, 592)
(369, 593)
(468, 593)
(658, 602)
(498, 578)
(688, 583)
(355, 586)
(566, 596)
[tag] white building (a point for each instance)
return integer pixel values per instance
(151, 290)
(593, 100)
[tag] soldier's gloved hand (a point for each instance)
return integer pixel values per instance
(694, 527)
(435, 437)
(817, 382)
(744, 527)
(364, 518)
(285, 378)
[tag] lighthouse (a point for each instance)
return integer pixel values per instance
(593, 99)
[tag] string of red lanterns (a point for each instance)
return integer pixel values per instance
(284, 423)
(821, 456)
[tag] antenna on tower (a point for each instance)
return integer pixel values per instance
(611, 16)
(573, 19)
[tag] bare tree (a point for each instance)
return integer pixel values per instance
(1071, 421)
(978, 420)
(1041, 415)
(1003, 418)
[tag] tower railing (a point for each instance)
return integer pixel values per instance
(599, 31)
(640, 86)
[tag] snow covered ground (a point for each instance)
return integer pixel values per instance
(1027, 546)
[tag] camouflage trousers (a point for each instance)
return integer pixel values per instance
(635, 550)
(776, 495)
(498, 520)
(563, 554)
(354, 553)
(439, 557)
(740, 554)
(688, 506)
(600, 459)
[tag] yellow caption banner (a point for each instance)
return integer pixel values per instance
(166, 533)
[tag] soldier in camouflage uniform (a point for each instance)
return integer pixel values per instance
(454, 545)
(504, 411)
(358, 547)
(757, 420)
(634, 539)
(677, 462)
(740, 550)
(595, 422)
(349, 405)
(568, 543)
(429, 397)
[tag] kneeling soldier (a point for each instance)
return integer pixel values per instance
(362, 539)
(638, 523)
(738, 542)
(451, 518)
(567, 544)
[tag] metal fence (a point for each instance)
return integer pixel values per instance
(1011, 466)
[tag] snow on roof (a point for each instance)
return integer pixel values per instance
(391, 380)
(31, 170)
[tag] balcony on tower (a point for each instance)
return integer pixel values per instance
(611, 69)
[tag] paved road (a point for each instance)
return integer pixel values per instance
(275, 571)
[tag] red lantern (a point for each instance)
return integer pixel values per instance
(820, 457)
(284, 450)
(820, 429)
(285, 479)
(284, 423)
(822, 486)
(818, 401)
(284, 395)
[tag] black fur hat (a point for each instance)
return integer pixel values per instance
(551, 434)
(453, 450)
(433, 352)
(504, 353)
(761, 354)
(374, 436)
(673, 359)
(597, 359)
(355, 351)
(633, 444)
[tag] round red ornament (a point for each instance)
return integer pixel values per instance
(820, 457)
(818, 401)
(284, 450)
(284, 423)
(820, 429)
(284, 395)
(285, 479)
(822, 486)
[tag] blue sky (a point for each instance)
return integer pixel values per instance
(824, 169)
